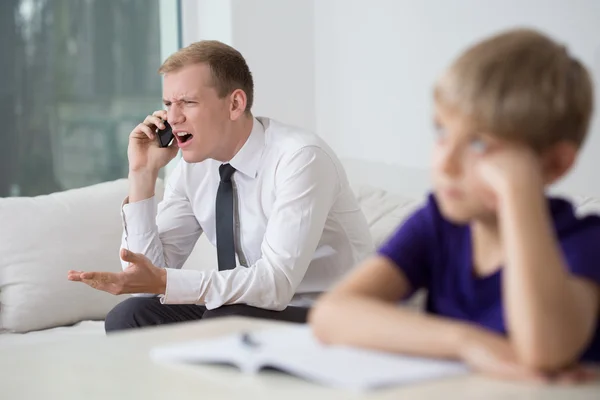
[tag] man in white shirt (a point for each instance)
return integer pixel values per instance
(273, 199)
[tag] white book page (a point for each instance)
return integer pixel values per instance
(224, 350)
(296, 351)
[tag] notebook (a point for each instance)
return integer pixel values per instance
(295, 351)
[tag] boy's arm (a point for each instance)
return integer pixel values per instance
(363, 311)
(550, 314)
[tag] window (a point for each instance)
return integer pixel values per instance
(77, 75)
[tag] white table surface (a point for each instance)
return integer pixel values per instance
(119, 367)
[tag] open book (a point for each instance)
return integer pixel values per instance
(295, 351)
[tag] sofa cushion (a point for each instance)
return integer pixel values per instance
(43, 237)
(384, 211)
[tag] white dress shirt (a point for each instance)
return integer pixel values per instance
(299, 224)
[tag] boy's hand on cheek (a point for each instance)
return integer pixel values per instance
(507, 169)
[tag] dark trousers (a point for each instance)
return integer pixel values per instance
(139, 312)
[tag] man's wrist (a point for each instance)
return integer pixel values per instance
(162, 281)
(141, 185)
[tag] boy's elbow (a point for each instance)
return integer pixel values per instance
(544, 352)
(544, 360)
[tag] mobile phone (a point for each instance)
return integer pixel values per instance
(165, 136)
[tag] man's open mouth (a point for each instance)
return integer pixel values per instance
(183, 136)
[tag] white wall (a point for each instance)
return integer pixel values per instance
(277, 39)
(206, 20)
(376, 62)
(360, 72)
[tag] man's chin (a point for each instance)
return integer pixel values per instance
(190, 157)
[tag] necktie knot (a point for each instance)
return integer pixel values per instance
(225, 171)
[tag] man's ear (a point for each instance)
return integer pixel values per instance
(238, 103)
(558, 160)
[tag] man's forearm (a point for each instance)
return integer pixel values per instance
(140, 219)
(386, 327)
(141, 185)
(542, 315)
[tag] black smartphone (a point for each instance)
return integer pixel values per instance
(165, 136)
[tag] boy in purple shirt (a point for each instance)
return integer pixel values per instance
(513, 276)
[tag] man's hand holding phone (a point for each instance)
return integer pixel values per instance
(146, 156)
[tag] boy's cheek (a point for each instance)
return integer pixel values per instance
(489, 201)
(484, 196)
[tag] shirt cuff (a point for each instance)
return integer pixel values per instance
(183, 286)
(140, 217)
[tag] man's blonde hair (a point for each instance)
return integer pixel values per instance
(228, 67)
(520, 85)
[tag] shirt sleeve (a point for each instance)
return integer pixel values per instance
(306, 186)
(410, 247)
(165, 233)
(581, 249)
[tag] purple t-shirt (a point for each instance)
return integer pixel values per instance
(436, 254)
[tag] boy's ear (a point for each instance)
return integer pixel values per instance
(557, 160)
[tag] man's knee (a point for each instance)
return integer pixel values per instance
(130, 313)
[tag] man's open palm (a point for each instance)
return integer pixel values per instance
(141, 276)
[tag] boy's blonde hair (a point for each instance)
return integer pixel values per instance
(229, 69)
(520, 85)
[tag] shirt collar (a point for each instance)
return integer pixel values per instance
(247, 158)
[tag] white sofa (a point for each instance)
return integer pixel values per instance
(42, 238)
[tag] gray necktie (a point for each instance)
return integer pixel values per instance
(224, 219)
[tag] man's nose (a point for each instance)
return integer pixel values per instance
(175, 115)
